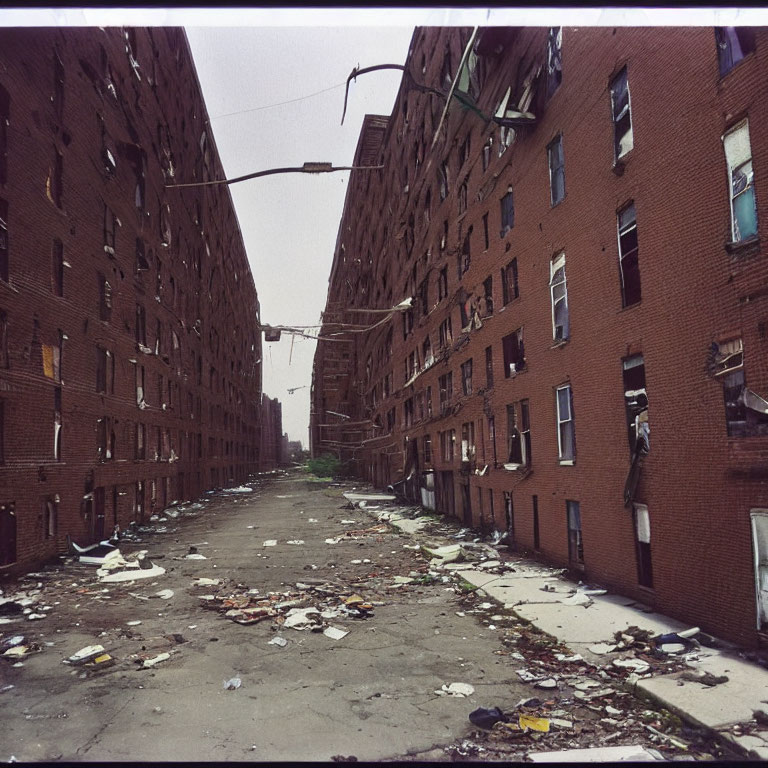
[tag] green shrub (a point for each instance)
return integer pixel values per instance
(326, 465)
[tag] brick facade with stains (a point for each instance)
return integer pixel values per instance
(130, 370)
(659, 289)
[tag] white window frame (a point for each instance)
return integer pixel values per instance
(616, 118)
(561, 421)
(738, 154)
(557, 263)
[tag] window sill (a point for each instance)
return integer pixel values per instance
(560, 343)
(744, 248)
(566, 462)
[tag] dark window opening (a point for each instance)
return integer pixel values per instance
(628, 257)
(507, 212)
(514, 353)
(575, 542)
(7, 533)
(489, 367)
(105, 298)
(554, 59)
(466, 377)
(643, 538)
(556, 170)
(509, 286)
(57, 427)
(442, 284)
(733, 45)
(509, 518)
(636, 403)
(623, 140)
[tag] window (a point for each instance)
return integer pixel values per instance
(746, 413)
(58, 87)
(390, 420)
(141, 441)
(559, 296)
(486, 241)
(466, 377)
(507, 212)
(7, 533)
(556, 170)
(487, 149)
(489, 367)
(628, 257)
(140, 386)
(141, 326)
(57, 267)
(110, 224)
(468, 441)
(738, 155)
(464, 152)
(622, 119)
(575, 543)
(465, 257)
(426, 350)
(442, 284)
(518, 435)
(442, 180)
(50, 517)
(733, 44)
(105, 371)
(447, 441)
(445, 333)
(463, 197)
(54, 183)
(514, 353)
(407, 322)
(4, 240)
(565, 433)
(429, 402)
(554, 59)
(105, 298)
(445, 382)
(486, 300)
(636, 403)
(5, 117)
(57, 424)
(427, 449)
(509, 287)
(643, 538)
(408, 412)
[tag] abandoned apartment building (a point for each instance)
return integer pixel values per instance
(577, 347)
(130, 354)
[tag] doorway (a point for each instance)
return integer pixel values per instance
(759, 518)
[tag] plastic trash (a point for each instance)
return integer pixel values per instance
(456, 689)
(88, 653)
(486, 718)
(270, 543)
(232, 684)
(334, 633)
(528, 723)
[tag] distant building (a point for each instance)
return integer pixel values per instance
(272, 453)
(583, 363)
(130, 353)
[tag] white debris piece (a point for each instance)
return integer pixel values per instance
(165, 594)
(156, 660)
(204, 581)
(456, 689)
(334, 633)
(133, 623)
(333, 541)
(299, 618)
(239, 489)
(132, 574)
(601, 648)
(638, 665)
(295, 541)
(598, 755)
(195, 556)
(280, 641)
(270, 543)
(312, 520)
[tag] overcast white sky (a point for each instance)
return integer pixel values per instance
(248, 58)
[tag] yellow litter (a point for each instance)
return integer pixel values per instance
(353, 600)
(534, 723)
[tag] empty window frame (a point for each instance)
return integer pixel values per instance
(105, 297)
(445, 333)
(733, 44)
(487, 150)
(140, 382)
(463, 197)
(556, 162)
(559, 296)
(565, 432)
(554, 59)
(141, 326)
(485, 302)
(509, 287)
(636, 403)
(486, 241)
(465, 257)
(514, 353)
(4, 240)
(442, 180)
(426, 349)
(408, 412)
(738, 155)
(57, 267)
(518, 434)
(141, 441)
(507, 212)
(643, 538)
(427, 449)
(7, 533)
(629, 267)
(489, 367)
(575, 542)
(445, 382)
(466, 377)
(57, 424)
(50, 518)
(468, 448)
(105, 371)
(746, 413)
(622, 119)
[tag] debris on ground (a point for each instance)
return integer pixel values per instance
(232, 684)
(456, 689)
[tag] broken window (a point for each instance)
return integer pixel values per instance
(628, 256)
(427, 449)
(408, 412)
(7, 533)
(643, 537)
(622, 119)
(466, 377)
(390, 420)
(446, 73)
(733, 44)
(485, 232)
(407, 322)
(746, 413)
(428, 398)
(487, 149)
(442, 180)
(556, 170)
(5, 120)
(50, 517)
(463, 197)
(507, 212)
(514, 353)
(636, 404)
(464, 152)
(423, 293)
(442, 284)
(565, 432)
(141, 326)
(445, 382)
(54, 182)
(4, 240)
(738, 155)
(141, 441)
(445, 333)
(489, 367)
(518, 435)
(468, 449)
(140, 386)
(110, 224)
(57, 424)
(105, 298)
(554, 59)
(575, 543)
(138, 161)
(485, 302)
(559, 295)
(509, 287)
(465, 257)
(57, 267)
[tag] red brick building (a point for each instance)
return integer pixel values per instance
(130, 353)
(272, 450)
(585, 359)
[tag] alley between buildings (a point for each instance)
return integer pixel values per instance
(238, 651)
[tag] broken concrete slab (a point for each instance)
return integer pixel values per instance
(355, 497)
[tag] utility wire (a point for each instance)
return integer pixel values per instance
(278, 104)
